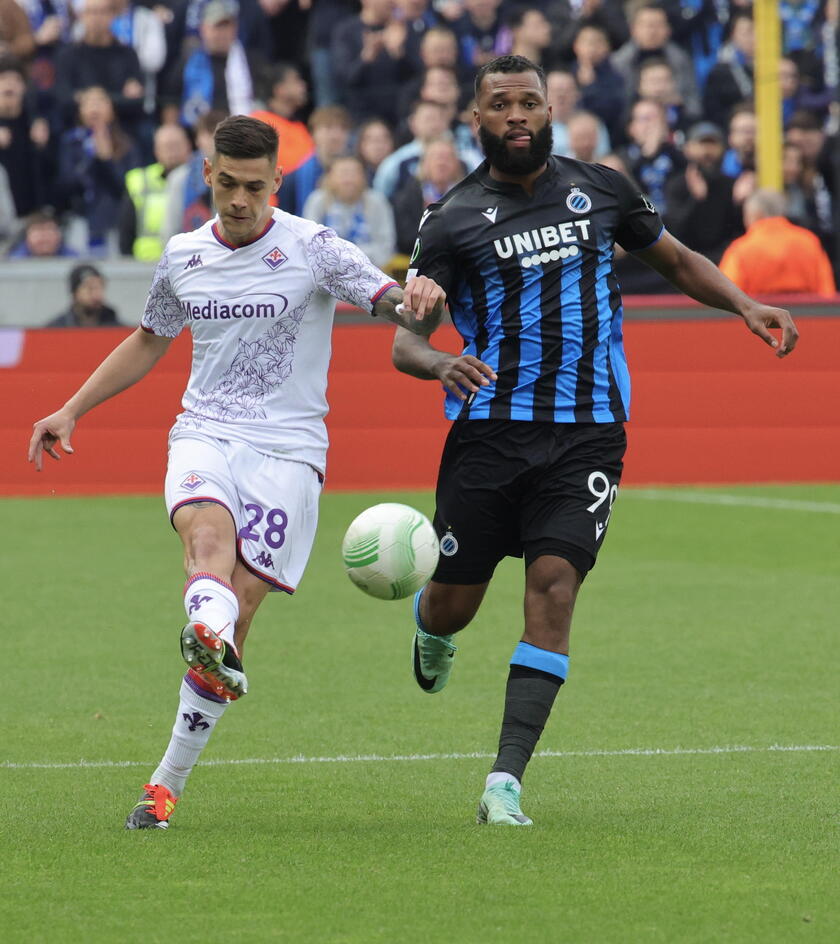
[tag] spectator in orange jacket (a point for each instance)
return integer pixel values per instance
(286, 94)
(774, 255)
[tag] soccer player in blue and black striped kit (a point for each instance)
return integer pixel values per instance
(523, 247)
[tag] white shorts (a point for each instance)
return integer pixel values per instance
(273, 502)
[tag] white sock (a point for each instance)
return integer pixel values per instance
(197, 716)
(499, 776)
(210, 600)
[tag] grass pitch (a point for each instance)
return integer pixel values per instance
(687, 790)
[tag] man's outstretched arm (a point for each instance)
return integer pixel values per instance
(462, 375)
(124, 366)
(701, 280)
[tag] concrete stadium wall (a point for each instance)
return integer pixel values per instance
(711, 404)
(36, 290)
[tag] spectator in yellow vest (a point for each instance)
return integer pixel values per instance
(143, 208)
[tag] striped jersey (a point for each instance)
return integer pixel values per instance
(532, 290)
(261, 318)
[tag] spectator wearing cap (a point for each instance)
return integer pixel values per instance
(219, 74)
(701, 211)
(87, 307)
(775, 256)
(42, 239)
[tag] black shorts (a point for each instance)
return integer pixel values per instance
(510, 488)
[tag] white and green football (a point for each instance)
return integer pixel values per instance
(390, 551)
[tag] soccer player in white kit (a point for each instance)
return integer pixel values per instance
(257, 287)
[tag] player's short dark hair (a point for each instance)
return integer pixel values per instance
(242, 137)
(507, 65)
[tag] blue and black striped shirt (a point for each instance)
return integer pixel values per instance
(532, 291)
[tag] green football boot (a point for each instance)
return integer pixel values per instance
(431, 656)
(499, 806)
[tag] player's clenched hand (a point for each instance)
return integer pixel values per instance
(423, 296)
(760, 318)
(464, 373)
(53, 429)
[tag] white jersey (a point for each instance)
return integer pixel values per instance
(261, 316)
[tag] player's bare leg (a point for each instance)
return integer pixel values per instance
(250, 591)
(538, 668)
(440, 610)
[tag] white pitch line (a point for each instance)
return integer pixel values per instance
(472, 755)
(738, 501)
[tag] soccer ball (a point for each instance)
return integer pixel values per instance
(390, 551)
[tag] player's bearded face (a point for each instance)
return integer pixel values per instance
(519, 161)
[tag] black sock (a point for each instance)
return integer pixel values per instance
(529, 696)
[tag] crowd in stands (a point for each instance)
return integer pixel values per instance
(107, 110)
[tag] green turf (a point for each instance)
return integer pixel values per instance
(703, 626)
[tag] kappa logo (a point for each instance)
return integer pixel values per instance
(490, 214)
(192, 482)
(578, 201)
(274, 258)
(648, 205)
(195, 262)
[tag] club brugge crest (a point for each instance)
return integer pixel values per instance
(578, 201)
